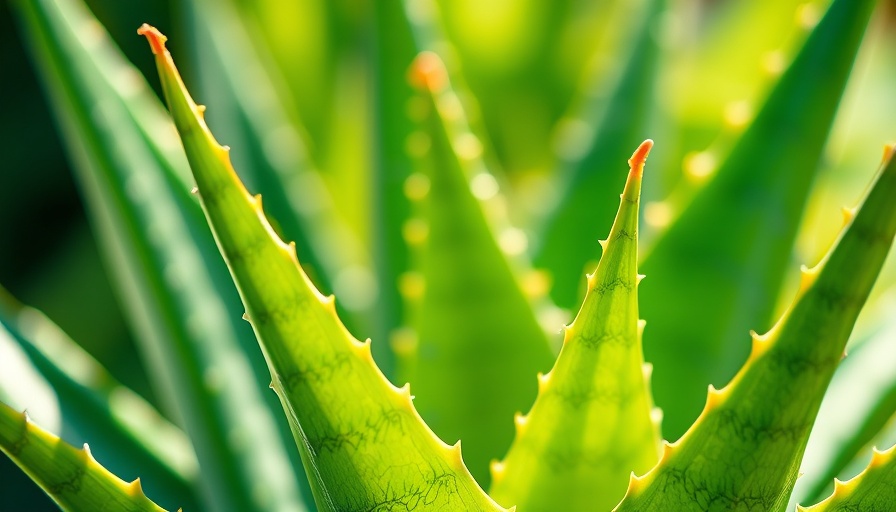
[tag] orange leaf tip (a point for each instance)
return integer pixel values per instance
(156, 39)
(636, 162)
(428, 72)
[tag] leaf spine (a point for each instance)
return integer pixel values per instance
(668, 449)
(760, 344)
(656, 416)
(135, 488)
(520, 422)
(647, 371)
(848, 215)
(497, 470)
(457, 457)
(543, 380)
(714, 398)
(888, 153)
(807, 277)
(634, 484)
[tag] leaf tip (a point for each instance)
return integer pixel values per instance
(156, 39)
(639, 157)
(428, 72)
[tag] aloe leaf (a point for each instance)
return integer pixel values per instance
(71, 477)
(597, 133)
(85, 402)
(874, 490)
(190, 341)
(480, 344)
(744, 450)
(362, 442)
(707, 287)
(592, 424)
(859, 404)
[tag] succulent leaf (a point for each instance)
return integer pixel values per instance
(363, 444)
(874, 490)
(708, 287)
(72, 477)
(479, 342)
(592, 423)
(157, 242)
(859, 404)
(87, 403)
(744, 450)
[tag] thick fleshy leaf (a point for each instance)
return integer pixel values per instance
(151, 232)
(66, 390)
(362, 442)
(594, 138)
(744, 451)
(860, 402)
(72, 477)
(874, 490)
(479, 344)
(592, 423)
(708, 287)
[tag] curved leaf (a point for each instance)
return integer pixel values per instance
(362, 443)
(87, 403)
(874, 490)
(72, 477)
(151, 232)
(708, 287)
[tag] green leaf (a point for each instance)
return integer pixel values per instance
(859, 404)
(744, 451)
(874, 490)
(707, 287)
(362, 442)
(66, 389)
(591, 425)
(72, 477)
(479, 343)
(151, 231)
(594, 138)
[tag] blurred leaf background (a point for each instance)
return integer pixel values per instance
(527, 72)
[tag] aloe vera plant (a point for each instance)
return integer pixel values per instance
(465, 398)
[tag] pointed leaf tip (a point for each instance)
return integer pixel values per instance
(156, 39)
(428, 72)
(639, 157)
